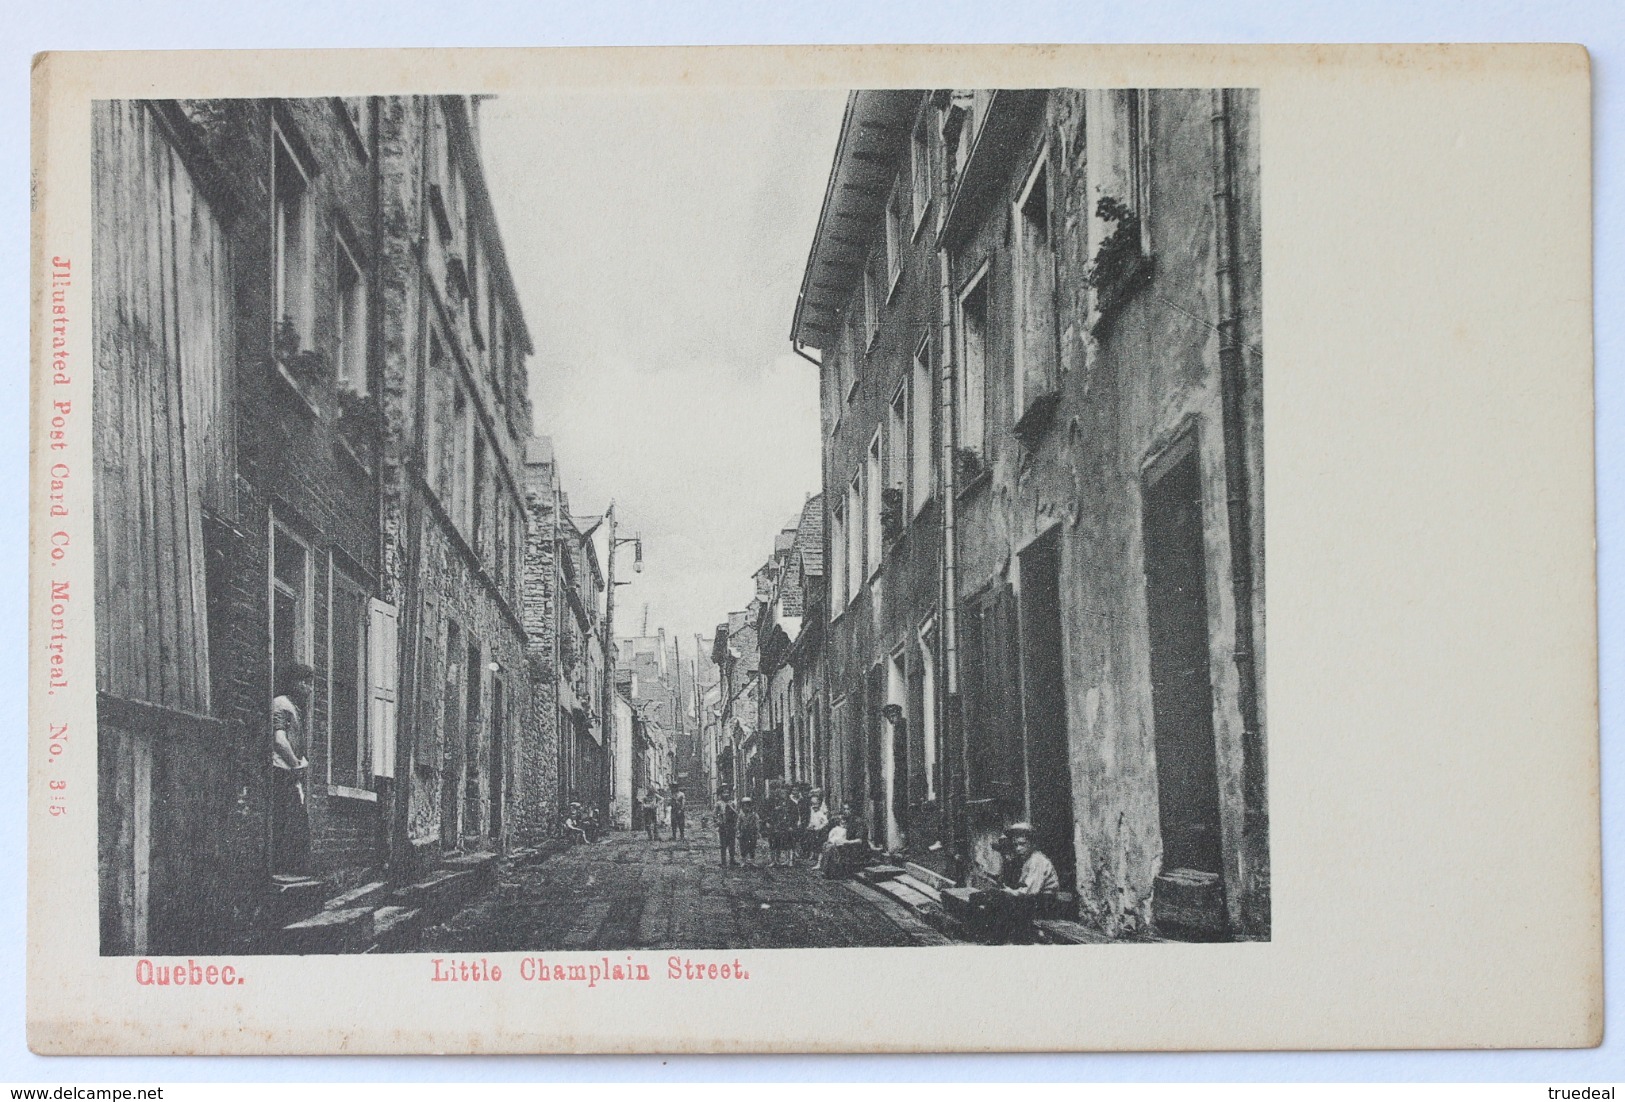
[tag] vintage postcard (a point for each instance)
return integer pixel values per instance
(804, 550)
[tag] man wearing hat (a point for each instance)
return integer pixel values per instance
(1035, 873)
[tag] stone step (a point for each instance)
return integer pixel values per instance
(442, 891)
(356, 897)
(347, 930)
(930, 891)
(289, 898)
(903, 917)
(875, 874)
(915, 901)
(396, 929)
(928, 876)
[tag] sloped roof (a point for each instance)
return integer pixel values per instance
(874, 133)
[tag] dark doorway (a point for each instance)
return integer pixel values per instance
(1043, 679)
(875, 745)
(451, 766)
(1181, 692)
(473, 740)
(497, 752)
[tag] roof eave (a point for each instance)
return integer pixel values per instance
(874, 131)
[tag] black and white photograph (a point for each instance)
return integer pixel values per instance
(610, 520)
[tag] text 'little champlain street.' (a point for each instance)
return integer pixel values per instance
(601, 970)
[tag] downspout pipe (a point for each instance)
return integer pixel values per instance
(956, 790)
(1238, 494)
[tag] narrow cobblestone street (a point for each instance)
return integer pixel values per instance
(626, 892)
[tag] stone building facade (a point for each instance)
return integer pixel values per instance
(735, 655)
(566, 748)
(655, 693)
(1038, 319)
(457, 416)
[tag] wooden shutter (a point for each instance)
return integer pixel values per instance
(383, 679)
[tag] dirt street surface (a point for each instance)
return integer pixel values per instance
(626, 892)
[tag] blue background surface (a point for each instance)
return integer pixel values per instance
(165, 24)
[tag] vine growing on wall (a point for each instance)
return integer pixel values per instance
(1119, 254)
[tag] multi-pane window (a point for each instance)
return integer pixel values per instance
(852, 350)
(355, 111)
(837, 544)
(291, 244)
(1035, 369)
(290, 602)
(476, 281)
(854, 537)
(962, 122)
(972, 403)
(920, 439)
(348, 747)
(498, 359)
(351, 321)
(477, 502)
(920, 169)
(1137, 124)
(434, 447)
(896, 234)
(872, 484)
(894, 501)
(461, 461)
(873, 296)
(1118, 150)
(928, 705)
(516, 553)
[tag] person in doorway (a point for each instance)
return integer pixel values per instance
(1033, 888)
(727, 820)
(750, 829)
(679, 815)
(290, 771)
(1034, 872)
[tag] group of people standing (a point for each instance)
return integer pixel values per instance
(795, 823)
(652, 806)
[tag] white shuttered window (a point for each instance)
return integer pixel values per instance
(382, 681)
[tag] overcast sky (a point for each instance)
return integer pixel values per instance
(658, 240)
